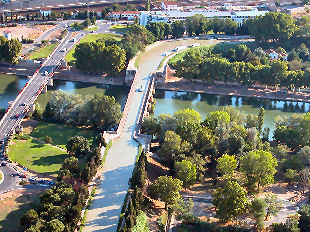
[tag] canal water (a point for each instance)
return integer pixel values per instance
(11, 85)
(170, 102)
(166, 101)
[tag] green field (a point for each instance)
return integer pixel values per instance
(92, 38)
(43, 52)
(60, 133)
(92, 28)
(37, 156)
(121, 28)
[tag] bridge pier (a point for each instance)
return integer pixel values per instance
(50, 82)
(44, 89)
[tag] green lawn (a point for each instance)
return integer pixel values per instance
(120, 28)
(60, 133)
(43, 52)
(37, 156)
(92, 38)
(92, 28)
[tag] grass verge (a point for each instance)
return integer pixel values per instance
(37, 156)
(60, 133)
(91, 38)
(43, 52)
(92, 28)
(121, 28)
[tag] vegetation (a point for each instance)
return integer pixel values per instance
(37, 156)
(121, 28)
(43, 52)
(92, 38)
(92, 112)
(9, 50)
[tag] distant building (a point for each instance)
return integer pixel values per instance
(7, 35)
(170, 6)
(276, 55)
(127, 15)
(171, 16)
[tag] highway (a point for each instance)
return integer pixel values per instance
(29, 94)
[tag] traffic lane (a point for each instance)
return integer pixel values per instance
(9, 182)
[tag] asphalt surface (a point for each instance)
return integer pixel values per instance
(9, 182)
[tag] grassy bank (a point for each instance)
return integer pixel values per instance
(60, 133)
(43, 52)
(91, 38)
(37, 156)
(121, 28)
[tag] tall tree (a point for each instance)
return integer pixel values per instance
(186, 172)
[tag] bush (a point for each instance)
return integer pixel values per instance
(48, 139)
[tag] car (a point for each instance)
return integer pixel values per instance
(63, 50)
(32, 179)
(23, 104)
(92, 31)
(3, 164)
(72, 40)
(1, 142)
(41, 181)
(22, 176)
(194, 45)
(17, 115)
(50, 182)
(45, 73)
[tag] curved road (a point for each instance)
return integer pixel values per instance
(105, 209)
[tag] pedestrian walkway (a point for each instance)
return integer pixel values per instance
(105, 209)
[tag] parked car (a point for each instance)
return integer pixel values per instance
(3, 164)
(22, 176)
(50, 182)
(41, 181)
(17, 115)
(32, 179)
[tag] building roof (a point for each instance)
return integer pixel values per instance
(125, 12)
(171, 3)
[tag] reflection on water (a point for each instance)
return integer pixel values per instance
(170, 102)
(119, 92)
(11, 85)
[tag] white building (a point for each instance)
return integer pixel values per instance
(127, 15)
(276, 55)
(170, 6)
(171, 16)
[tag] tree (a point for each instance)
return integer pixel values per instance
(151, 126)
(177, 29)
(114, 59)
(304, 154)
(78, 146)
(183, 210)
(30, 218)
(215, 118)
(261, 115)
(227, 165)
(273, 205)
(104, 112)
(38, 112)
(141, 223)
(87, 23)
(304, 218)
(173, 148)
(186, 172)
(230, 201)
(9, 50)
(258, 211)
(167, 189)
(54, 226)
(259, 168)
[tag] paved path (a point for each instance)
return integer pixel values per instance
(105, 209)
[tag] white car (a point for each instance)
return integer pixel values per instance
(194, 45)
(167, 54)
(64, 50)
(179, 48)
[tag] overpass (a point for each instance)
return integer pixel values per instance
(24, 102)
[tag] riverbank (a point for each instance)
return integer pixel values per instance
(184, 85)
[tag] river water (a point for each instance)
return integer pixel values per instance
(167, 101)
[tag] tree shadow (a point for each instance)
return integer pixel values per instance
(50, 160)
(23, 203)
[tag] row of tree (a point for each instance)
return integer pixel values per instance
(98, 111)
(238, 64)
(111, 56)
(9, 50)
(60, 207)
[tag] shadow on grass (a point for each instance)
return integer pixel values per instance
(11, 223)
(50, 160)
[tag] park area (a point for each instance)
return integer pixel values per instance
(32, 152)
(92, 38)
(120, 28)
